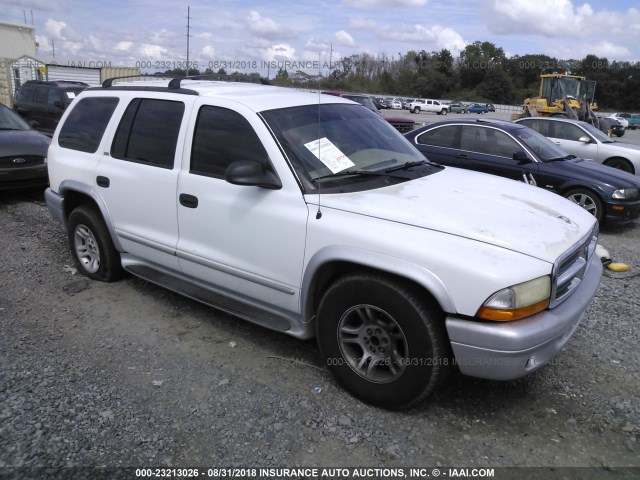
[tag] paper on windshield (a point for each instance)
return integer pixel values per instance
(71, 95)
(329, 154)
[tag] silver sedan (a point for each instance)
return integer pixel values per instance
(584, 140)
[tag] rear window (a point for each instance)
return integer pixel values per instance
(86, 123)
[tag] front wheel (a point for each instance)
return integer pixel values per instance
(416, 110)
(382, 340)
(587, 200)
(444, 111)
(621, 164)
(91, 245)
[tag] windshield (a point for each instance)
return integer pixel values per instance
(556, 88)
(342, 137)
(544, 148)
(12, 121)
(598, 134)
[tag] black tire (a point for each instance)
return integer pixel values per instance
(587, 200)
(444, 111)
(91, 245)
(621, 164)
(415, 110)
(382, 341)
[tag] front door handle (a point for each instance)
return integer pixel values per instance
(188, 201)
(462, 155)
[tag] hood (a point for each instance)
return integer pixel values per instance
(23, 142)
(481, 207)
(587, 170)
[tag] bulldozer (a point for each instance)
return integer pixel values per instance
(563, 95)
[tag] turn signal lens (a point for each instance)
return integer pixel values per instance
(518, 301)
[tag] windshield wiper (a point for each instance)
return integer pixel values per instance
(346, 173)
(406, 165)
(556, 159)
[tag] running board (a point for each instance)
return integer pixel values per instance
(186, 287)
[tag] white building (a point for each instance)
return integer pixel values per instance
(18, 62)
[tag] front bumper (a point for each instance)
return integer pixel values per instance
(24, 177)
(509, 350)
(622, 211)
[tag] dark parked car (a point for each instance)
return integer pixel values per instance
(380, 103)
(22, 153)
(43, 103)
(490, 107)
(611, 126)
(518, 152)
(477, 108)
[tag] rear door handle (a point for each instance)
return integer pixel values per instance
(462, 155)
(188, 201)
(103, 181)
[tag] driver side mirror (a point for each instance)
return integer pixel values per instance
(521, 156)
(584, 139)
(251, 173)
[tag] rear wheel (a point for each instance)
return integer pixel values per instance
(91, 245)
(587, 200)
(621, 164)
(383, 342)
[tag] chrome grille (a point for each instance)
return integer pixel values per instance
(18, 161)
(571, 267)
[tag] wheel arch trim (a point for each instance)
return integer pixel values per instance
(73, 186)
(341, 254)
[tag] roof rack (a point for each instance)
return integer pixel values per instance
(175, 83)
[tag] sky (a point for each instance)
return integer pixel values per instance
(263, 36)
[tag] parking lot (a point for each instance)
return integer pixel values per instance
(130, 374)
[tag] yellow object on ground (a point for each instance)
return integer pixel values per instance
(618, 267)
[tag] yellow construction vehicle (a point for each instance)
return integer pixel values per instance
(563, 95)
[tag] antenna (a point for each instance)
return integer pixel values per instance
(188, 36)
(319, 212)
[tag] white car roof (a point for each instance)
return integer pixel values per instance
(257, 97)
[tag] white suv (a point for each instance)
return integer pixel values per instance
(314, 217)
(426, 105)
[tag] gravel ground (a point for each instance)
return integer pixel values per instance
(130, 375)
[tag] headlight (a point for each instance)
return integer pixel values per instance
(626, 194)
(518, 301)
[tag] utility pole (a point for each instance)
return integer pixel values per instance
(188, 35)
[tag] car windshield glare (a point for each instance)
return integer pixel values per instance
(12, 121)
(544, 148)
(337, 138)
(598, 134)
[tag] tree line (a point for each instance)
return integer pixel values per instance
(480, 73)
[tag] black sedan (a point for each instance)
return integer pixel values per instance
(514, 151)
(23, 153)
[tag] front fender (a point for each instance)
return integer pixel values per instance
(341, 254)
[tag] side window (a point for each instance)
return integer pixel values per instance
(566, 131)
(440, 137)
(86, 123)
(539, 126)
(222, 137)
(42, 94)
(488, 141)
(148, 132)
(26, 92)
(53, 97)
(502, 144)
